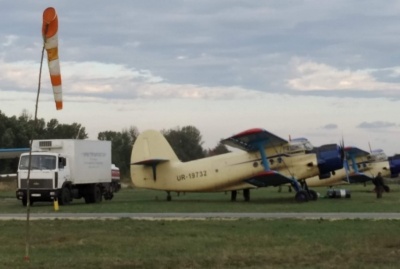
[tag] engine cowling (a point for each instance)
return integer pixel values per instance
(394, 162)
(330, 158)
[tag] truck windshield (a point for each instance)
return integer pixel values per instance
(38, 162)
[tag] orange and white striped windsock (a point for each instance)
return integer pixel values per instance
(50, 37)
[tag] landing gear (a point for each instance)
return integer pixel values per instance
(246, 195)
(301, 196)
(169, 196)
(313, 195)
(304, 194)
(233, 196)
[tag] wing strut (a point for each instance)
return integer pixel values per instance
(264, 160)
(260, 146)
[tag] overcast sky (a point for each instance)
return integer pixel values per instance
(315, 69)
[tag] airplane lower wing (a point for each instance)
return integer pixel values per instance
(12, 152)
(268, 178)
(359, 178)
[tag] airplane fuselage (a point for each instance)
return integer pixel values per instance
(220, 173)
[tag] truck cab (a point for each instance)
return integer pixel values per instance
(49, 171)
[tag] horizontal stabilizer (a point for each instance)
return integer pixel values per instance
(269, 178)
(150, 162)
(250, 140)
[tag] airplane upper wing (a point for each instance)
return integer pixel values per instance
(268, 178)
(249, 140)
(355, 152)
(12, 152)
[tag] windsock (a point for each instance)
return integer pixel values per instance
(50, 37)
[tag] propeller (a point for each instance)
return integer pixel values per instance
(344, 158)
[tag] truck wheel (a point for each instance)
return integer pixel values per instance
(93, 194)
(108, 196)
(25, 201)
(97, 194)
(65, 196)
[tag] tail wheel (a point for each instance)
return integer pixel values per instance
(301, 196)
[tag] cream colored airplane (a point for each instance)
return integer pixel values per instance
(265, 160)
(359, 167)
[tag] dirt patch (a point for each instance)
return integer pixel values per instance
(8, 183)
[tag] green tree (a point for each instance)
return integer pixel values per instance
(219, 149)
(186, 142)
(54, 130)
(17, 133)
(121, 144)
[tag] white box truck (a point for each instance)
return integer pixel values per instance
(67, 169)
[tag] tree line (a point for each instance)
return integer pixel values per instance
(16, 132)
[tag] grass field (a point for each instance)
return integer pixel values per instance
(262, 200)
(244, 243)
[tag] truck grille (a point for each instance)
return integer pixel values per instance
(37, 183)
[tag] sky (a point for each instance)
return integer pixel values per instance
(324, 70)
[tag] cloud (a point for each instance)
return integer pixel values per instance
(112, 81)
(330, 126)
(9, 40)
(312, 76)
(376, 125)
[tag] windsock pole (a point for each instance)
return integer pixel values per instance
(50, 37)
(49, 33)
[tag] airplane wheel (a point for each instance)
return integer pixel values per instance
(313, 195)
(301, 196)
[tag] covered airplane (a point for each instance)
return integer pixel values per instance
(12, 152)
(264, 161)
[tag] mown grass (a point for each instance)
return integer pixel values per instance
(242, 243)
(262, 200)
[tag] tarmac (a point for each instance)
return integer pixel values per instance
(204, 216)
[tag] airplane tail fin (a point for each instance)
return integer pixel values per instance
(150, 151)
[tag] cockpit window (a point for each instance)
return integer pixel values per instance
(378, 155)
(299, 144)
(38, 162)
